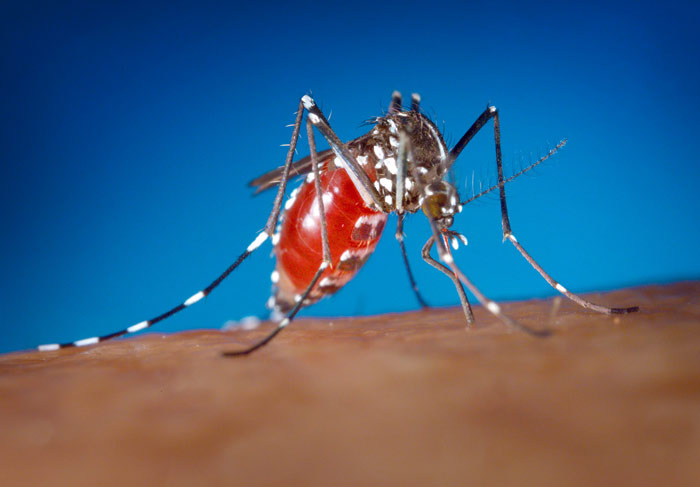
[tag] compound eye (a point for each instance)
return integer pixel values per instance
(434, 205)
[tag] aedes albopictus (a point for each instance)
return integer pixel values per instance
(340, 210)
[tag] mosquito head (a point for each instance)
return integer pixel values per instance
(440, 203)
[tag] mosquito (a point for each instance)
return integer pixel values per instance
(329, 226)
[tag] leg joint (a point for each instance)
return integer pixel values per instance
(308, 102)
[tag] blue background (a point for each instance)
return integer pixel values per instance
(129, 132)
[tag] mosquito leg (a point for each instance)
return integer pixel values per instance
(319, 195)
(359, 177)
(148, 323)
(490, 305)
(508, 234)
(257, 242)
(458, 285)
(469, 134)
(286, 321)
(326, 254)
(414, 286)
(489, 113)
(575, 298)
(401, 171)
(277, 205)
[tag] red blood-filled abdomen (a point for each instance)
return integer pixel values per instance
(353, 233)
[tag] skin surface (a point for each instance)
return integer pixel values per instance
(399, 399)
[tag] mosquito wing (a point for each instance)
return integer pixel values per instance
(298, 168)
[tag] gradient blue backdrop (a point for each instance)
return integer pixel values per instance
(128, 133)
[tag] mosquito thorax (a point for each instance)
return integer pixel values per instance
(425, 159)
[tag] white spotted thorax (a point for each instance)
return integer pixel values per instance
(425, 160)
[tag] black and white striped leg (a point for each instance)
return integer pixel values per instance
(489, 113)
(259, 240)
(148, 323)
(411, 279)
(466, 307)
(324, 265)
